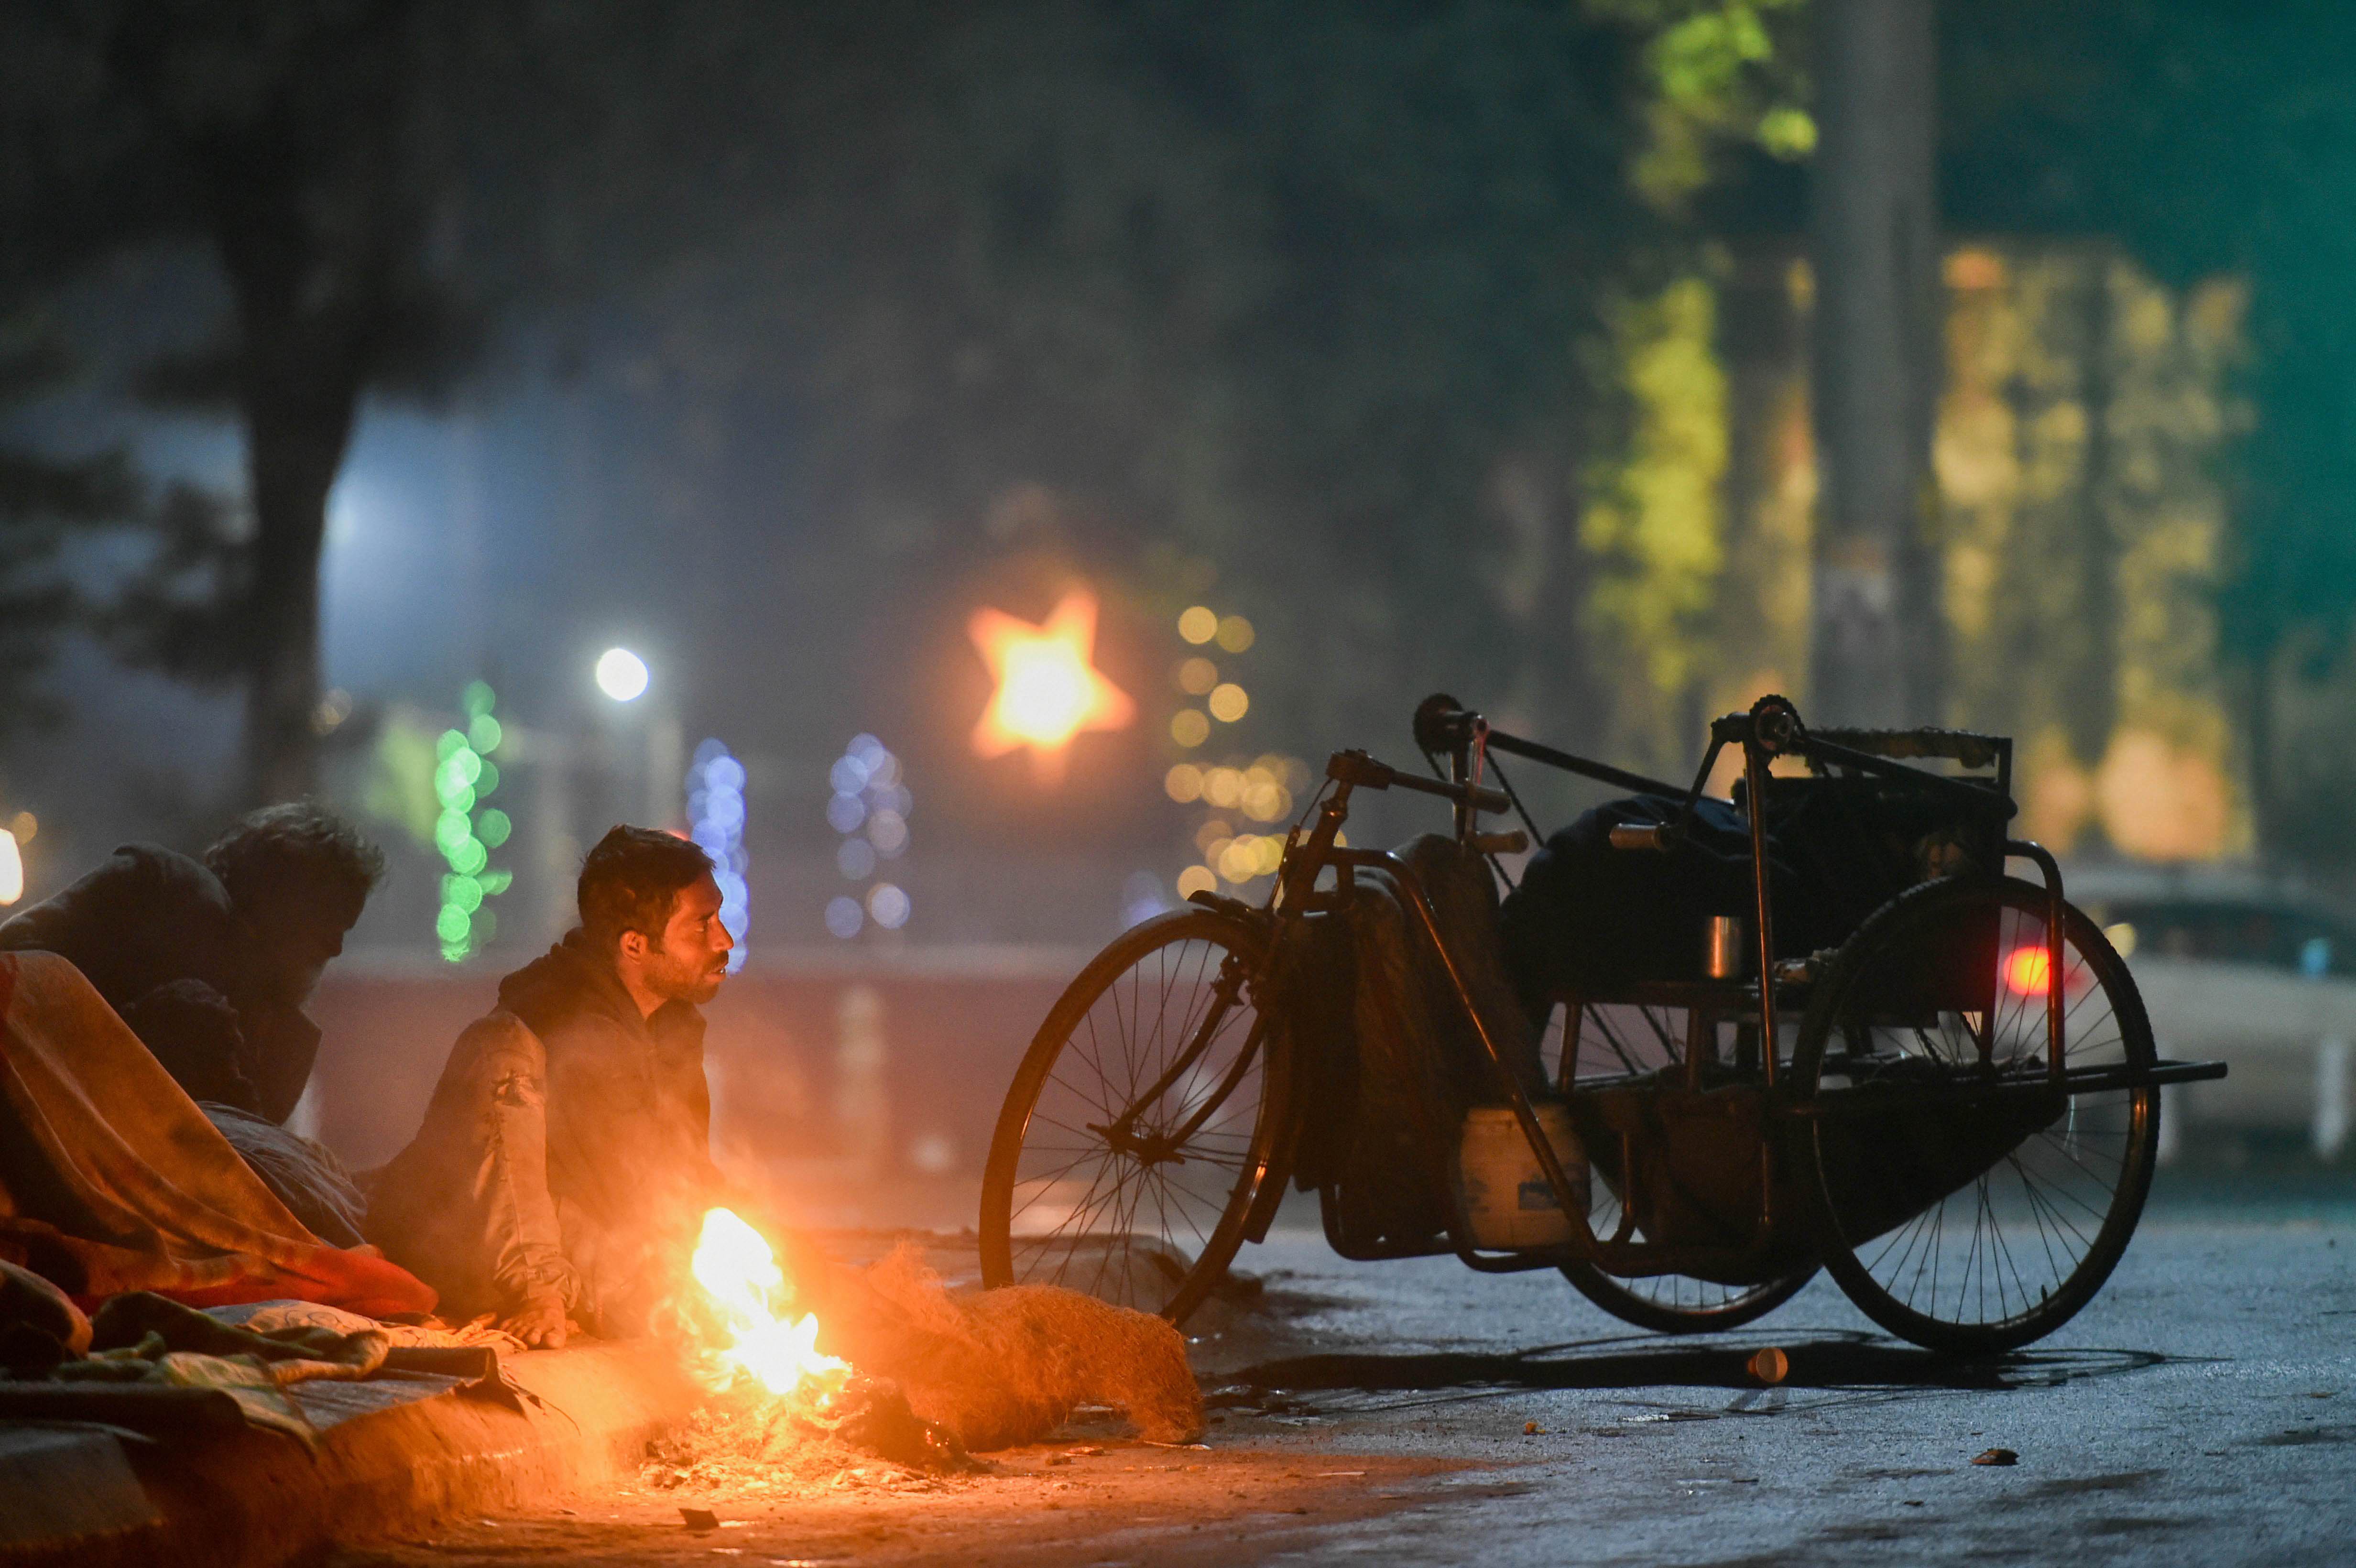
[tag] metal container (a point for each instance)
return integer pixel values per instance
(1727, 956)
(1506, 1196)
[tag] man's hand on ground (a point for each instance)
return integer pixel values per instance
(540, 1323)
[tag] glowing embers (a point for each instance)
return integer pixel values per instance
(751, 1333)
(1048, 690)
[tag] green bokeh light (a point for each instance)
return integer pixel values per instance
(463, 775)
(456, 777)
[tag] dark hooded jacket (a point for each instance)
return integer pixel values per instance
(565, 1153)
(152, 931)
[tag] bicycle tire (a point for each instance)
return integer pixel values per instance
(1167, 1254)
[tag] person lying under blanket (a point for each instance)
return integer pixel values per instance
(112, 1181)
(210, 962)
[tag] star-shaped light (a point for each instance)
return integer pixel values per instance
(1047, 690)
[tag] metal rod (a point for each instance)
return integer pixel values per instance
(1976, 797)
(1601, 773)
(1754, 781)
(2056, 914)
(1871, 1100)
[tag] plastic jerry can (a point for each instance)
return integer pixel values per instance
(1506, 1197)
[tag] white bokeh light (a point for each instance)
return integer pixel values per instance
(621, 675)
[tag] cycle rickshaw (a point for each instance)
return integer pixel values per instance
(1955, 1109)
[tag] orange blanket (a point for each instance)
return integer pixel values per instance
(111, 1179)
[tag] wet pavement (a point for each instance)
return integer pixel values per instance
(2203, 1410)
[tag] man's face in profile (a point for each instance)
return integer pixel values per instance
(290, 940)
(691, 959)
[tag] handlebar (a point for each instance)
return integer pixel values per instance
(1358, 768)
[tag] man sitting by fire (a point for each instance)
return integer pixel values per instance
(565, 1155)
(563, 1171)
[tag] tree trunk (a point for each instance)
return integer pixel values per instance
(1880, 645)
(304, 315)
(296, 431)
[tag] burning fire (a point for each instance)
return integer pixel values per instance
(747, 1296)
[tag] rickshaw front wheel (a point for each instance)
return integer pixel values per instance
(1141, 1123)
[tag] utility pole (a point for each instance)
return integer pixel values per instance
(1880, 645)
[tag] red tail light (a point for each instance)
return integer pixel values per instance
(2028, 971)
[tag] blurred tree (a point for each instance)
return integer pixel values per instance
(324, 153)
(42, 498)
(1322, 296)
(291, 140)
(1316, 297)
(2210, 138)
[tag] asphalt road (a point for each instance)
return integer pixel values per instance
(2202, 1411)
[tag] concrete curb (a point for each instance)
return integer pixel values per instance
(244, 1498)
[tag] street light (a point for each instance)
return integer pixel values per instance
(621, 675)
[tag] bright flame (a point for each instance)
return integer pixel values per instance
(12, 869)
(747, 1292)
(1047, 690)
(2027, 971)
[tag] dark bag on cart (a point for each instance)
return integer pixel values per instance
(1590, 920)
(1389, 1062)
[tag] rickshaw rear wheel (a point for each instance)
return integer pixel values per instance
(1677, 1304)
(1617, 1040)
(2049, 1189)
(1121, 1166)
